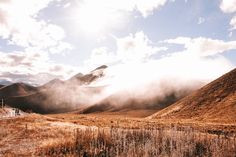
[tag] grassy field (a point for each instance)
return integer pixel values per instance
(143, 142)
(113, 135)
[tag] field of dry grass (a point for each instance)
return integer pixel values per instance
(21, 136)
(89, 135)
(172, 141)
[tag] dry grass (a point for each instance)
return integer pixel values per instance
(21, 136)
(174, 141)
(86, 135)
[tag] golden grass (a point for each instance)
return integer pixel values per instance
(172, 141)
(78, 135)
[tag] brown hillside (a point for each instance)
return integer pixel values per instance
(52, 84)
(214, 102)
(16, 89)
(52, 100)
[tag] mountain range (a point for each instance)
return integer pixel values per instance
(214, 102)
(54, 96)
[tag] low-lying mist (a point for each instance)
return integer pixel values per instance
(157, 83)
(146, 85)
(152, 84)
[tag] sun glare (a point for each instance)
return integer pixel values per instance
(93, 17)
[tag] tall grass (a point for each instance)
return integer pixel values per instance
(173, 141)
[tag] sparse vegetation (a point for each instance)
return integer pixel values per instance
(73, 135)
(173, 141)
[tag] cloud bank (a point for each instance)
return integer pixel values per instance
(35, 38)
(203, 46)
(139, 78)
(20, 25)
(31, 67)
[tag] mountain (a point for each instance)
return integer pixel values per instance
(16, 89)
(213, 102)
(90, 77)
(100, 68)
(56, 95)
(40, 102)
(51, 84)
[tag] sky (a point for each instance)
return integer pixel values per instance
(45, 39)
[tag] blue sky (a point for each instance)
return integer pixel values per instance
(42, 40)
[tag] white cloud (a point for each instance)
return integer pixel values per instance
(134, 67)
(233, 23)
(31, 67)
(136, 47)
(203, 46)
(188, 67)
(100, 56)
(21, 26)
(62, 47)
(147, 8)
(228, 6)
(177, 71)
(201, 20)
(68, 4)
(132, 48)
(92, 16)
(144, 7)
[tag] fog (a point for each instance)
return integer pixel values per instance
(152, 84)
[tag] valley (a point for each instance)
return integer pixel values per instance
(177, 130)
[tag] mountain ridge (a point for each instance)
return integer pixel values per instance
(214, 102)
(53, 97)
